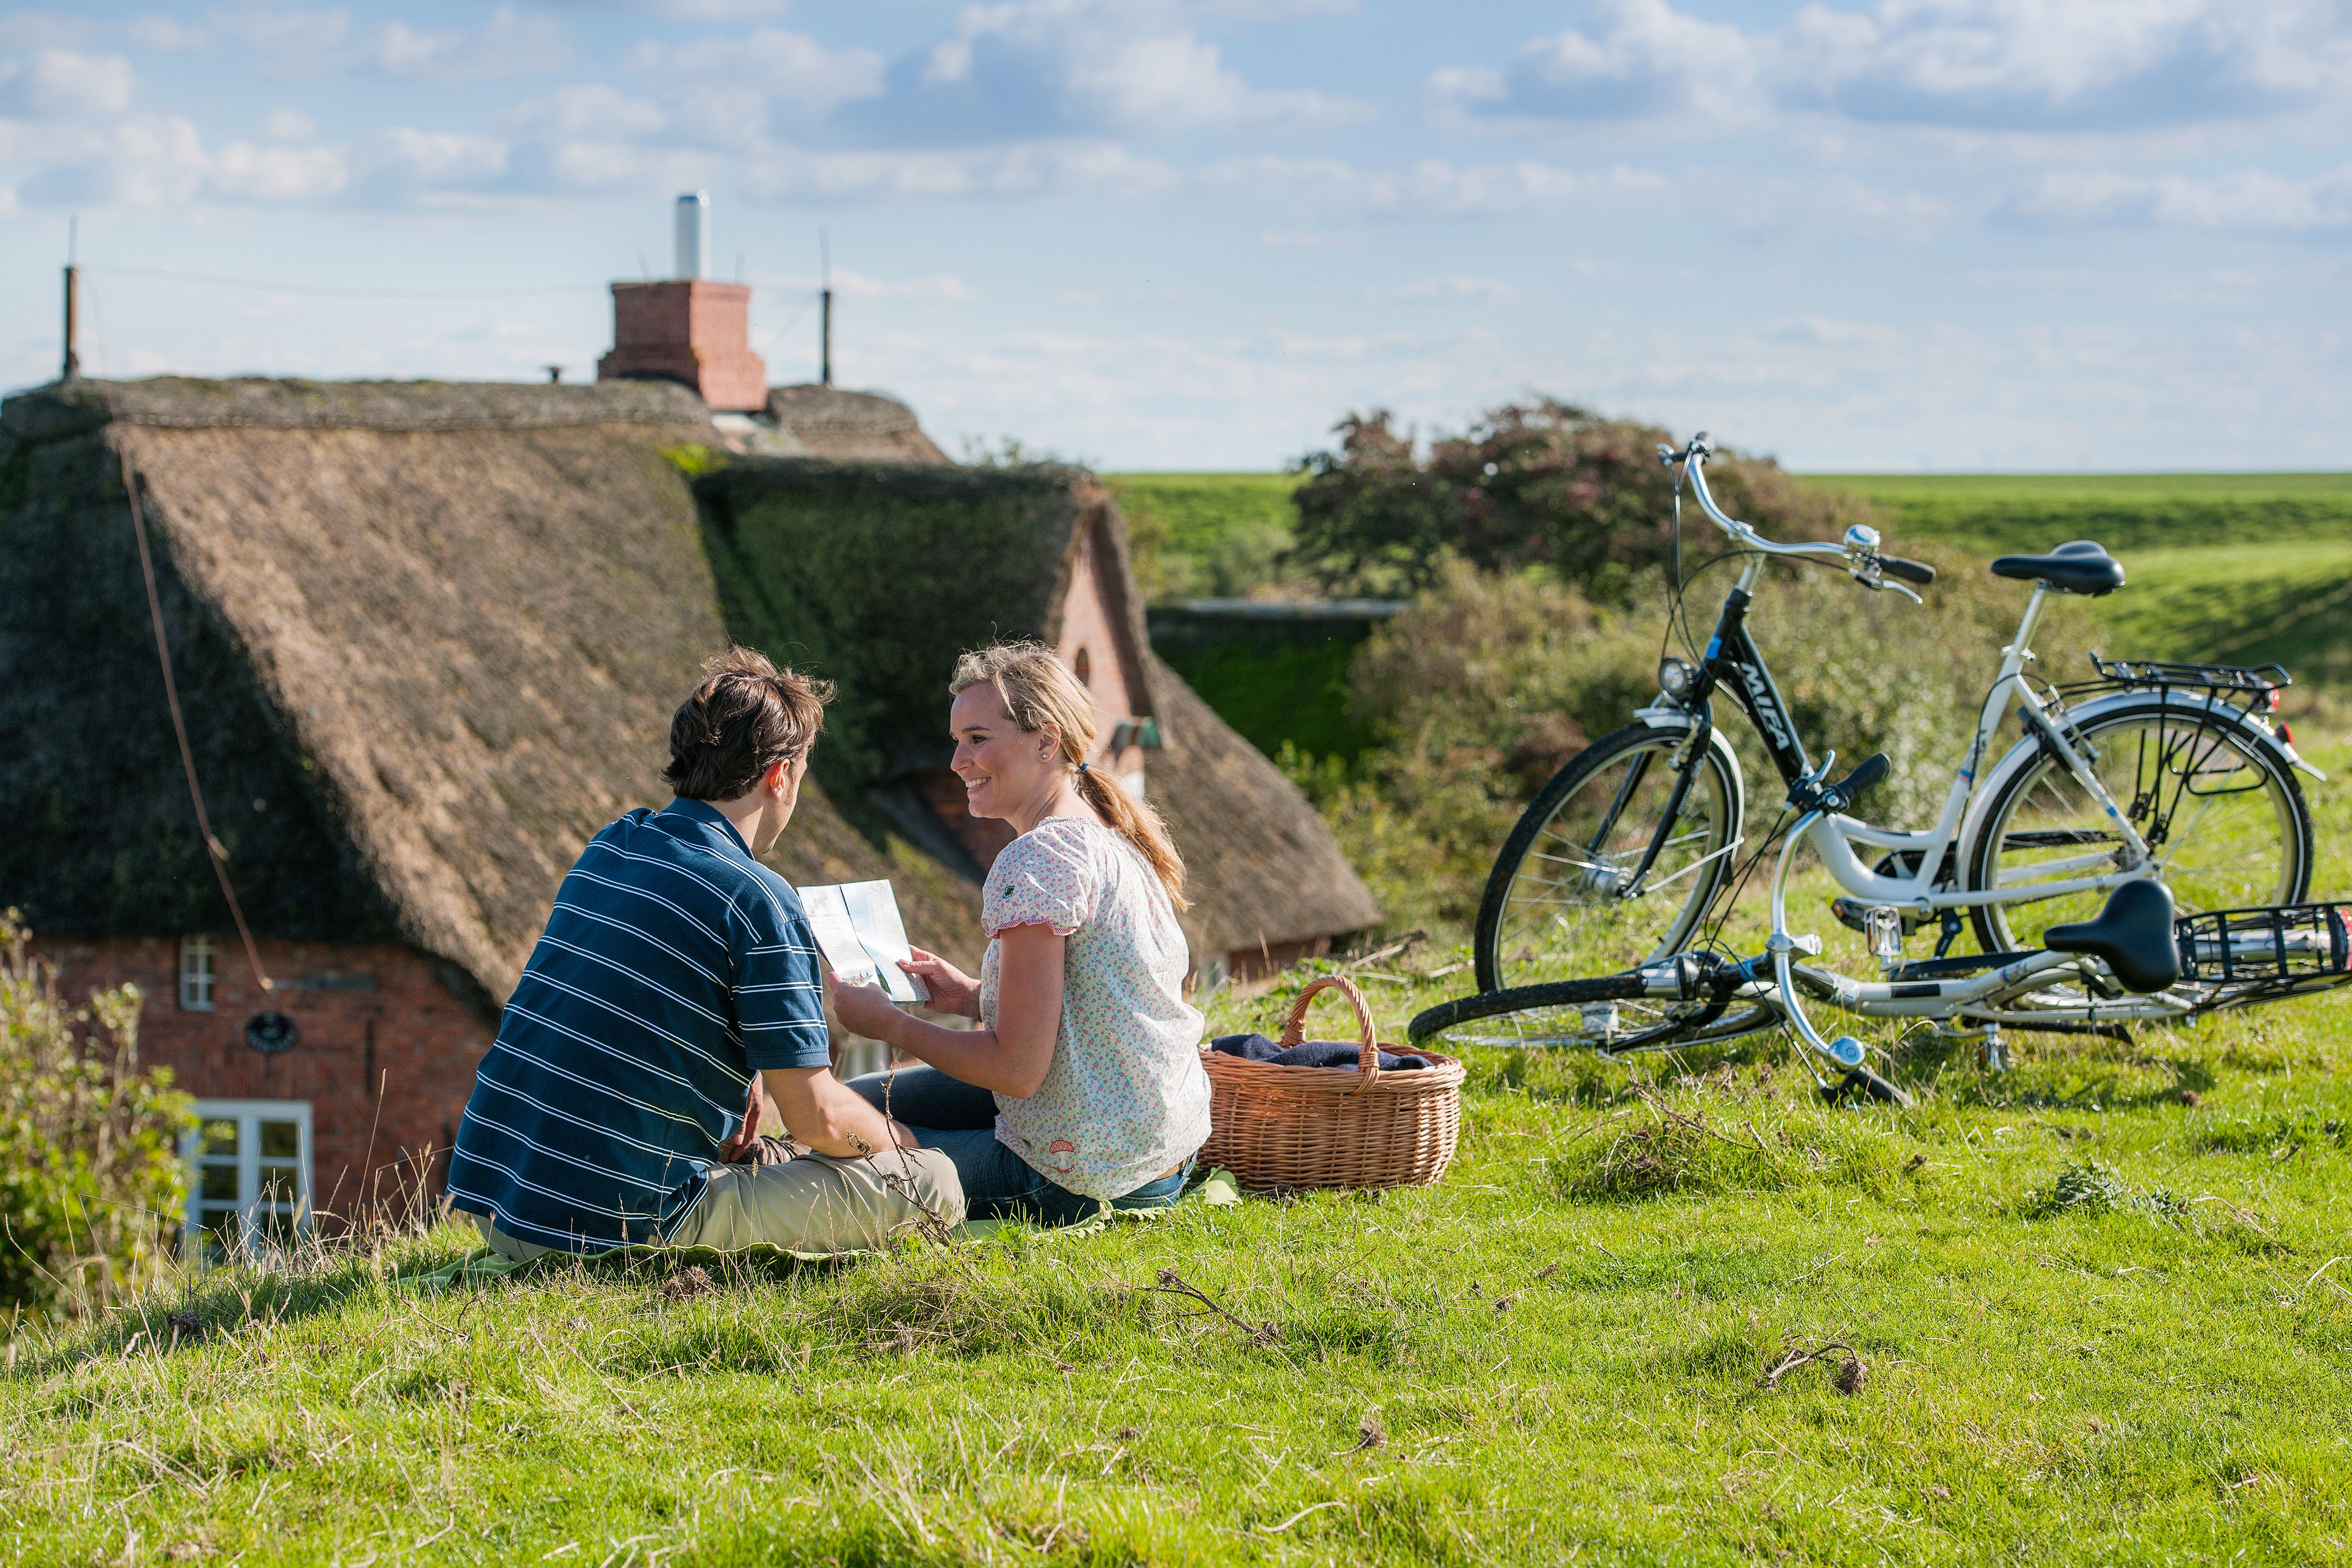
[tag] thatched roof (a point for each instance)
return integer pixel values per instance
(879, 575)
(833, 423)
(428, 640)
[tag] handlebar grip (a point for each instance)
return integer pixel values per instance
(1868, 772)
(1917, 572)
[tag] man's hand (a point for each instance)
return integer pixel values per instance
(744, 1146)
(953, 991)
(863, 1010)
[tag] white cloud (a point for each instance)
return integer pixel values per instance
(1991, 65)
(291, 43)
(290, 125)
(1430, 185)
(251, 172)
(1030, 69)
(590, 108)
(158, 34)
(1453, 288)
(2248, 202)
(994, 171)
(748, 74)
(1632, 59)
(507, 45)
(47, 83)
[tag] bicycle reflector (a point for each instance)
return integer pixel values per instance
(1676, 678)
(2284, 942)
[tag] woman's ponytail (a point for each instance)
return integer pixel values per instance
(1038, 690)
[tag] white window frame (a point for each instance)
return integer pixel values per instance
(197, 974)
(248, 1114)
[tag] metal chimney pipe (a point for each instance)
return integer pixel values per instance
(72, 371)
(693, 233)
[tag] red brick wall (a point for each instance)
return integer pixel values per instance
(411, 1036)
(690, 330)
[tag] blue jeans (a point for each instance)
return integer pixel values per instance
(960, 1120)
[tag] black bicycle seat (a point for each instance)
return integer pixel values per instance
(2079, 566)
(2134, 934)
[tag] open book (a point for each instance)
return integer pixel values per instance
(857, 926)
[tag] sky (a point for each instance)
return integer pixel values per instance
(1858, 235)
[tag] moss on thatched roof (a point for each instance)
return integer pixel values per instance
(428, 640)
(879, 575)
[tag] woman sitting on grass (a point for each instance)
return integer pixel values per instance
(1083, 1084)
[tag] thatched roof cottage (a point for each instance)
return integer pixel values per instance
(427, 639)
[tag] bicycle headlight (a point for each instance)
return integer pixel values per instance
(1676, 678)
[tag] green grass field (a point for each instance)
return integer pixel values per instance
(2095, 1303)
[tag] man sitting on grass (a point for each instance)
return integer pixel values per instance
(619, 1106)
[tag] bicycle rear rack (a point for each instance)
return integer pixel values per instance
(2295, 944)
(2260, 683)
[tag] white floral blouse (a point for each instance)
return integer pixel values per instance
(1124, 1098)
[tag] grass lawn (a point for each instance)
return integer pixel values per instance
(2095, 1303)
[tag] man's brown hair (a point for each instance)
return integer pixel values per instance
(745, 718)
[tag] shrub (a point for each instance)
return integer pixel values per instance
(90, 1179)
(1490, 683)
(1536, 484)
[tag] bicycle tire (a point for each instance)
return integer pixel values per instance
(1521, 999)
(1497, 968)
(1999, 933)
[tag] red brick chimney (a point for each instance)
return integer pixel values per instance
(691, 331)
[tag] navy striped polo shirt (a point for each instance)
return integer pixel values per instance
(673, 966)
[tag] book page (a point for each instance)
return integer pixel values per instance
(836, 936)
(874, 911)
(859, 929)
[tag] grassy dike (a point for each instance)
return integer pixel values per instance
(2095, 1303)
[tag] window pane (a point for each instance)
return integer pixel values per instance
(275, 1227)
(220, 1136)
(219, 1181)
(280, 1140)
(279, 1184)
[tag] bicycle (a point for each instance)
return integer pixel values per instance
(2151, 771)
(2139, 961)
(1621, 853)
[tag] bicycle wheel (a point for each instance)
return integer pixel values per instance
(1610, 1013)
(2222, 813)
(1556, 904)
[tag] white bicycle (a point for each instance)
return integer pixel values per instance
(2151, 772)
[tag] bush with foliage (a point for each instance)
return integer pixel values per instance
(1537, 484)
(90, 1179)
(1490, 683)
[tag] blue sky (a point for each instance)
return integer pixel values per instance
(1190, 234)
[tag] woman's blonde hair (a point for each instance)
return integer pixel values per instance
(1038, 690)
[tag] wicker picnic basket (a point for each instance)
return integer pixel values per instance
(1324, 1127)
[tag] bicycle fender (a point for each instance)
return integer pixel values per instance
(1665, 718)
(2021, 755)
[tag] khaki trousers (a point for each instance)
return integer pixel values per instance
(813, 1204)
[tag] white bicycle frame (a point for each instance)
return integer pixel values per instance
(1835, 835)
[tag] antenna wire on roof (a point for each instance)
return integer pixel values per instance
(218, 856)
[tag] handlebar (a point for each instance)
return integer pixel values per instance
(1860, 551)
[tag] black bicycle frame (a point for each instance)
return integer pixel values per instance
(1733, 661)
(1736, 663)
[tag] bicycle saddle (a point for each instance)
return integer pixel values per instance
(2134, 934)
(2079, 566)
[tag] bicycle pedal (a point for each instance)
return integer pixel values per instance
(1854, 915)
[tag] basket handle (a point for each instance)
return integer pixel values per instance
(1368, 1061)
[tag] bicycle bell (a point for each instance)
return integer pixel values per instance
(1861, 542)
